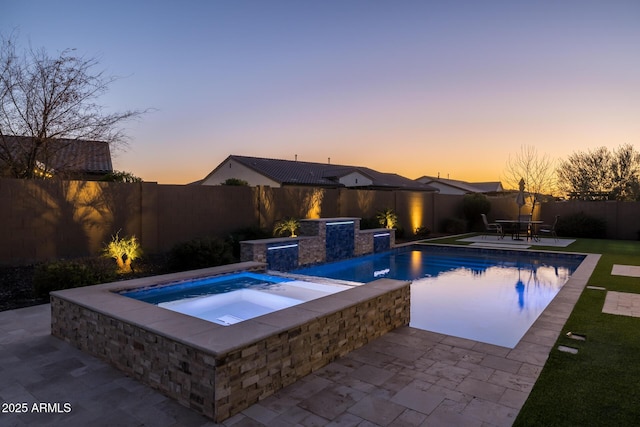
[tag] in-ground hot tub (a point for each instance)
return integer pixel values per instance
(220, 370)
(233, 298)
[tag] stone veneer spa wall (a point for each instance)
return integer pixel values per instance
(221, 370)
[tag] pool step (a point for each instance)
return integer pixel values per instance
(229, 319)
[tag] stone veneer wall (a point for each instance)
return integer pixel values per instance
(222, 384)
(184, 373)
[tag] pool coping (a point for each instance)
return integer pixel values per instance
(202, 334)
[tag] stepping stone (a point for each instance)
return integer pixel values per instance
(625, 270)
(566, 349)
(576, 337)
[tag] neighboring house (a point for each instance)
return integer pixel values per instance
(65, 158)
(279, 173)
(453, 186)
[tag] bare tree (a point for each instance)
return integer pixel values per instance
(625, 169)
(52, 101)
(537, 171)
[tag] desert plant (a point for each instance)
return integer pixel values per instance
(286, 225)
(123, 250)
(200, 253)
(387, 218)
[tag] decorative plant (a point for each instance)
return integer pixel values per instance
(287, 225)
(123, 251)
(387, 218)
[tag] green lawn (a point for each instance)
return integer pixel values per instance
(599, 386)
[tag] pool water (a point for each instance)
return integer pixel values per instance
(230, 299)
(488, 296)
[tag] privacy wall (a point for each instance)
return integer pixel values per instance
(42, 220)
(49, 219)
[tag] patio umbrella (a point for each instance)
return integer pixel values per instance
(520, 202)
(520, 290)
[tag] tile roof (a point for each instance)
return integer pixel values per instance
(70, 155)
(471, 187)
(290, 172)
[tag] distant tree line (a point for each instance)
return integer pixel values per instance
(600, 174)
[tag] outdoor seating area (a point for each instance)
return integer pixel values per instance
(521, 228)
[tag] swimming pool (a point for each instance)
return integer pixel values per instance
(229, 299)
(485, 295)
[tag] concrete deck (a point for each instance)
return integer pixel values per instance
(408, 377)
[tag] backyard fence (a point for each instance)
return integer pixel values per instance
(49, 219)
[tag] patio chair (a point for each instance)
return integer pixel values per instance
(550, 229)
(491, 227)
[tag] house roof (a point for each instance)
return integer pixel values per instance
(470, 187)
(489, 187)
(290, 172)
(69, 155)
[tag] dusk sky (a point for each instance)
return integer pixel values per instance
(412, 87)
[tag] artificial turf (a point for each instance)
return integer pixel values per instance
(600, 385)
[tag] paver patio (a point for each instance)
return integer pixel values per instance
(406, 377)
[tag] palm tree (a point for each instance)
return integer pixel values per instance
(289, 225)
(387, 218)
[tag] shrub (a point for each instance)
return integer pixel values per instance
(454, 225)
(123, 251)
(121, 176)
(473, 205)
(581, 225)
(422, 231)
(200, 253)
(248, 233)
(66, 274)
(235, 182)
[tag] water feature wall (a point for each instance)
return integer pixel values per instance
(319, 240)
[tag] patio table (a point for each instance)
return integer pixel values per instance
(532, 228)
